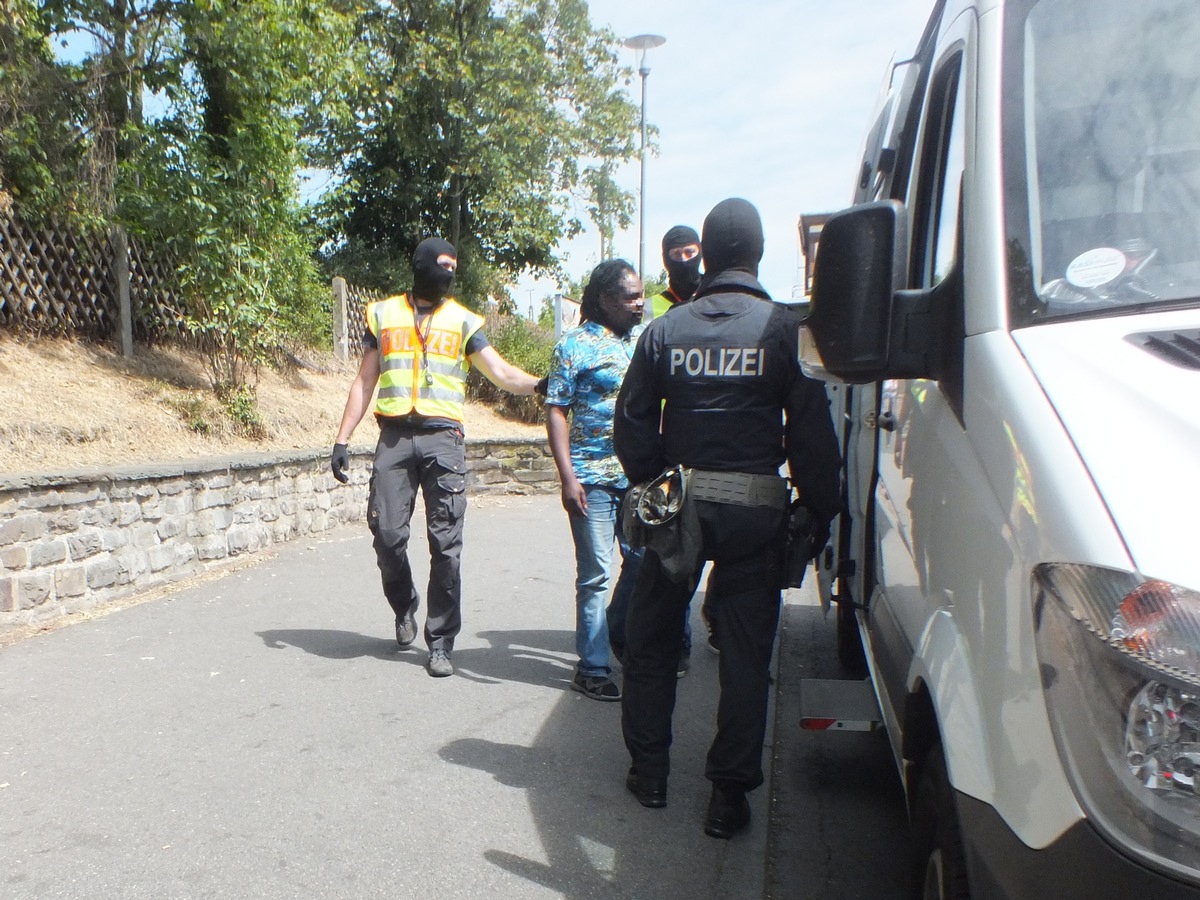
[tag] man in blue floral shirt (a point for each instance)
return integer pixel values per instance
(588, 367)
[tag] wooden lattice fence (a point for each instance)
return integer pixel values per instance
(158, 307)
(357, 299)
(58, 281)
(350, 316)
(62, 282)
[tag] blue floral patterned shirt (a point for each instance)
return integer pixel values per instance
(586, 372)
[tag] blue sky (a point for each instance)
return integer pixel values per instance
(766, 99)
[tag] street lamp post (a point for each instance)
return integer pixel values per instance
(642, 43)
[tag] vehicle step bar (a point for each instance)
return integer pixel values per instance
(838, 705)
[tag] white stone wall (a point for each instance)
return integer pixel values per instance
(77, 540)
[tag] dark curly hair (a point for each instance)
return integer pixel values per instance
(604, 281)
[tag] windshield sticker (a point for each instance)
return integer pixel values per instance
(1096, 267)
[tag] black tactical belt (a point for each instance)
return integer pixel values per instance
(739, 488)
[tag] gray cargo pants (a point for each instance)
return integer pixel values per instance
(435, 461)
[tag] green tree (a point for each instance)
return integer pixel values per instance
(132, 44)
(43, 156)
(545, 316)
(477, 121)
(243, 85)
(609, 205)
(216, 177)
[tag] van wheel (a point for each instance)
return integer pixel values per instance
(849, 643)
(941, 865)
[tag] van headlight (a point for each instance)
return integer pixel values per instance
(1120, 665)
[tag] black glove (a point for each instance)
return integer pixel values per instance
(339, 462)
(820, 536)
(806, 538)
(542, 386)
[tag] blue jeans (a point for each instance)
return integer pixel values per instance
(594, 536)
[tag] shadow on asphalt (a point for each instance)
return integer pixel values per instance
(536, 657)
(585, 854)
(593, 839)
(329, 643)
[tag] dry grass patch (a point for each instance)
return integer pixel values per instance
(72, 405)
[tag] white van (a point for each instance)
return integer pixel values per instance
(1009, 322)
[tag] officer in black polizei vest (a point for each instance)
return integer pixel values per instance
(736, 407)
(418, 348)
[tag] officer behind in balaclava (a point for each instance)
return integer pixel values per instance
(681, 257)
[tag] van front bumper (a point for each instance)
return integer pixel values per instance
(1080, 865)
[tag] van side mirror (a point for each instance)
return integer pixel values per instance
(861, 261)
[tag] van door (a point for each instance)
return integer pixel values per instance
(838, 570)
(920, 434)
(843, 568)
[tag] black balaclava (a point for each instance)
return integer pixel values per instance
(733, 238)
(430, 281)
(683, 277)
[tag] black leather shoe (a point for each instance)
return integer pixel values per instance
(650, 792)
(728, 813)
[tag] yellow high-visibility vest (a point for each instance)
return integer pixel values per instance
(658, 305)
(422, 371)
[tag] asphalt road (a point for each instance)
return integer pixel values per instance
(839, 830)
(259, 735)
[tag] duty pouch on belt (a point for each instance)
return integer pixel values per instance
(656, 514)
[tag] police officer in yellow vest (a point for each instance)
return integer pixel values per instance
(681, 258)
(419, 348)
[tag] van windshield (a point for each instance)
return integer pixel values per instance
(1102, 156)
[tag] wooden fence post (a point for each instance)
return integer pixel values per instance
(341, 339)
(120, 269)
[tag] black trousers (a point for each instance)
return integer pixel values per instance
(435, 462)
(746, 546)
